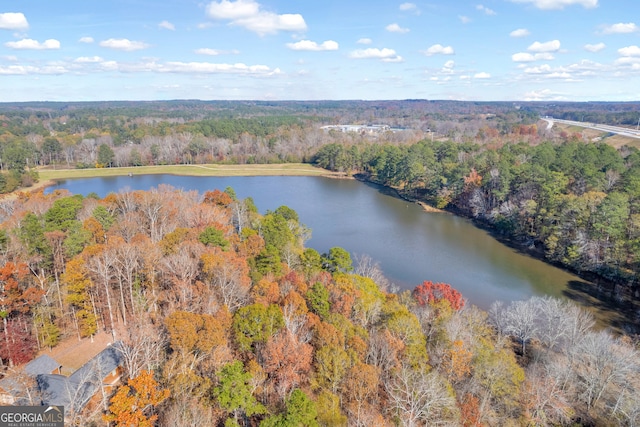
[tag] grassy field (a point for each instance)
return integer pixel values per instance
(293, 169)
(48, 177)
(615, 141)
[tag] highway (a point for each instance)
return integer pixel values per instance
(632, 133)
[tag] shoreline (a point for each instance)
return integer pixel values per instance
(594, 293)
(49, 177)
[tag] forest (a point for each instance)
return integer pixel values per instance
(225, 318)
(576, 204)
(566, 198)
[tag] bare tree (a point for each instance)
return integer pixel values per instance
(419, 397)
(604, 367)
(518, 319)
(367, 267)
(143, 348)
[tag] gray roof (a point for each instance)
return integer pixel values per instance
(11, 386)
(41, 365)
(75, 391)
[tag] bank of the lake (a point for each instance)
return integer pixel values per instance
(49, 177)
(280, 169)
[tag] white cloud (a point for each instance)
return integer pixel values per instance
(313, 46)
(544, 95)
(18, 70)
(175, 67)
(34, 44)
(559, 4)
(438, 49)
(594, 47)
(86, 40)
(542, 69)
(167, 25)
(620, 28)
(215, 52)
(13, 21)
(270, 23)
(550, 46)
(520, 32)
(207, 51)
(88, 59)
(364, 40)
(448, 66)
(123, 44)
(396, 58)
(485, 9)
(384, 54)
(410, 7)
(464, 19)
(529, 57)
(395, 28)
(627, 60)
(545, 56)
(248, 14)
(482, 75)
(232, 10)
(629, 51)
(209, 68)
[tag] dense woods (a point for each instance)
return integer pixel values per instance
(90, 135)
(576, 203)
(227, 319)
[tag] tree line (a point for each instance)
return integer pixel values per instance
(577, 203)
(226, 318)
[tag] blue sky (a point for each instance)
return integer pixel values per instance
(489, 50)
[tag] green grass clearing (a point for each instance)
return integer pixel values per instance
(292, 169)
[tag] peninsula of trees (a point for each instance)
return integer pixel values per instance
(223, 317)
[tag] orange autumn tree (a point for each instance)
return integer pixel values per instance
(431, 293)
(17, 298)
(134, 403)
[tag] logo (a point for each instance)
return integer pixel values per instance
(31, 416)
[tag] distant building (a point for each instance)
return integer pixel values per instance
(361, 129)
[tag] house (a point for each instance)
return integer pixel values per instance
(43, 365)
(87, 385)
(41, 382)
(20, 387)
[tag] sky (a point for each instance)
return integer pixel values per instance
(488, 50)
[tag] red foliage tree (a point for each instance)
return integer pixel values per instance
(19, 344)
(16, 299)
(429, 293)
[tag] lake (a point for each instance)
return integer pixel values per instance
(410, 244)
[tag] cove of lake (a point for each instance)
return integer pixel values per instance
(410, 244)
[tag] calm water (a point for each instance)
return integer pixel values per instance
(410, 245)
